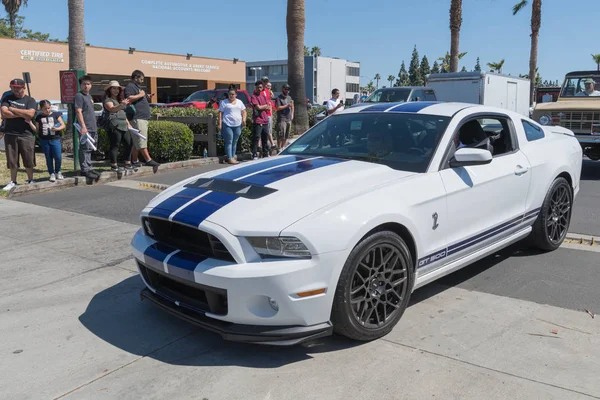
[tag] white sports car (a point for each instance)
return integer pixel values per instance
(370, 204)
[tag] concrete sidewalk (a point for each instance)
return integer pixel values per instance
(73, 327)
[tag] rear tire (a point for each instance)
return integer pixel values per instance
(374, 287)
(552, 224)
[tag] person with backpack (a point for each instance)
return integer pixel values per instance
(114, 121)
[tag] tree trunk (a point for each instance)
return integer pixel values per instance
(455, 23)
(536, 22)
(295, 24)
(77, 57)
(12, 21)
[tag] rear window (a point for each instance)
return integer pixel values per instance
(532, 132)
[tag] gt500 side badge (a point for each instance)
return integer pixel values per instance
(432, 258)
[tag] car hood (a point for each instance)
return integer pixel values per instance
(264, 197)
(588, 104)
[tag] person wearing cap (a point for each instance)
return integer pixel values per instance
(17, 110)
(118, 125)
(285, 115)
(589, 88)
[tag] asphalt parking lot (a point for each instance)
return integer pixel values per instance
(513, 325)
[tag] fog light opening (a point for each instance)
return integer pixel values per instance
(273, 304)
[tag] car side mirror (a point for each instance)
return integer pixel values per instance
(468, 156)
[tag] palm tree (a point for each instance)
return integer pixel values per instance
(77, 58)
(496, 66)
(306, 51)
(391, 80)
(12, 8)
(315, 51)
(536, 22)
(377, 78)
(455, 23)
(446, 60)
(596, 58)
(295, 24)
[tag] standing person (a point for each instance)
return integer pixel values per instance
(86, 117)
(232, 117)
(17, 110)
(285, 115)
(49, 129)
(334, 104)
(260, 119)
(271, 98)
(118, 125)
(141, 115)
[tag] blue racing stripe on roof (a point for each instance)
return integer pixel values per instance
(378, 107)
(277, 174)
(413, 106)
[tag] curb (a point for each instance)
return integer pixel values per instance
(578, 238)
(106, 176)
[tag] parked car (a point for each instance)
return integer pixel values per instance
(209, 99)
(577, 110)
(386, 200)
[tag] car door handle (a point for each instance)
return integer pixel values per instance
(520, 170)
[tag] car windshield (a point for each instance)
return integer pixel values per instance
(581, 86)
(401, 141)
(388, 96)
(200, 96)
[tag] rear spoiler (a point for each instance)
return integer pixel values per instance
(559, 130)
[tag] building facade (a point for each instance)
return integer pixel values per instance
(169, 77)
(321, 76)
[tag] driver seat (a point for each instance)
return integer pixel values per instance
(472, 135)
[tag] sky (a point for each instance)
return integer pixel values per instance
(379, 34)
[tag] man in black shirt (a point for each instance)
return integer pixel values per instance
(139, 115)
(17, 110)
(86, 117)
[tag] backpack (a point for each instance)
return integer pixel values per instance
(103, 121)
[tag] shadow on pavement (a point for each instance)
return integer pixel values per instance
(590, 170)
(118, 316)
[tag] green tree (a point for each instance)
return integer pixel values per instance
(403, 77)
(295, 26)
(496, 66)
(464, 69)
(315, 51)
(536, 22)
(596, 58)
(306, 51)
(414, 71)
(425, 69)
(478, 65)
(435, 69)
(445, 67)
(391, 80)
(12, 8)
(377, 78)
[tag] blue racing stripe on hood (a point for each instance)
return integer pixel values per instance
(413, 106)
(167, 206)
(255, 167)
(185, 260)
(277, 174)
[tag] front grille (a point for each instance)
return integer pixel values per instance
(191, 295)
(580, 121)
(187, 238)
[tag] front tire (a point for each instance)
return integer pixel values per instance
(374, 287)
(552, 224)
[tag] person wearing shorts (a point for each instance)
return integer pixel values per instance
(139, 115)
(285, 115)
(17, 110)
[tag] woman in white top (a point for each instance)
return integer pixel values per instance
(232, 116)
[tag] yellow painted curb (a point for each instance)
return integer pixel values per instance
(154, 186)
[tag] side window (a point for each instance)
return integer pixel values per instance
(417, 95)
(430, 95)
(532, 132)
(492, 134)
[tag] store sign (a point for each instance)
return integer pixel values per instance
(176, 66)
(42, 56)
(68, 86)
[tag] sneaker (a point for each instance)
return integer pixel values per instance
(52, 178)
(60, 176)
(116, 169)
(31, 181)
(10, 185)
(128, 167)
(151, 163)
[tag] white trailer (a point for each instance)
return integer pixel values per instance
(485, 88)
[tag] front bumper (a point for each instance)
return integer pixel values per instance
(234, 299)
(260, 334)
(588, 139)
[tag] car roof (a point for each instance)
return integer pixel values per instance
(401, 87)
(419, 107)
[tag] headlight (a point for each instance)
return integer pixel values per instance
(545, 119)
(279, 247)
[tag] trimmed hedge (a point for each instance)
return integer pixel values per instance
(167, 141)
